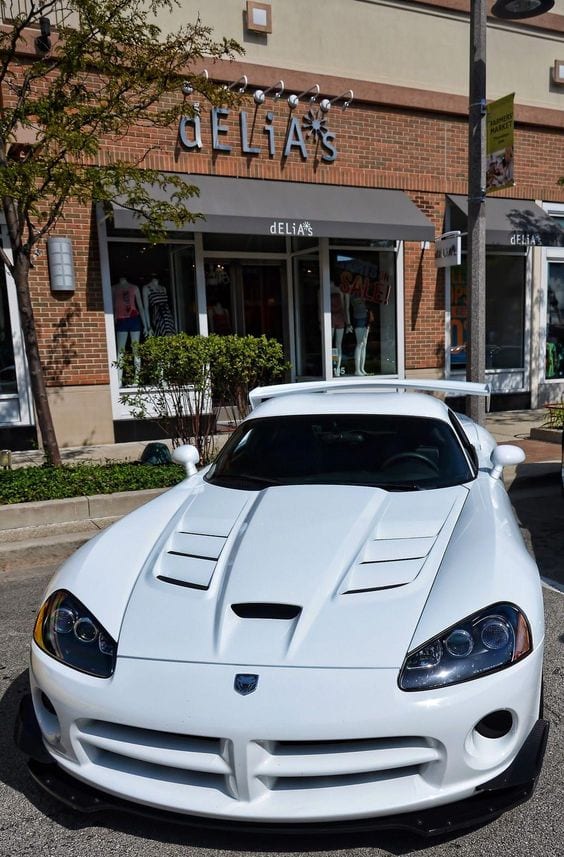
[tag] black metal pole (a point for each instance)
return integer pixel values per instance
(476, 260)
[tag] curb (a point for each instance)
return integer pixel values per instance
(546, 435)
(19, 515)
(47, 532)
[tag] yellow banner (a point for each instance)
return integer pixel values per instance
(500, 144)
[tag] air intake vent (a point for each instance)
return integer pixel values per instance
(266, 611)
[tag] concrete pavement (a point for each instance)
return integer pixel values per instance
(47, 532)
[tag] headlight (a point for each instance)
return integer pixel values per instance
(489, 640)
(67, 631)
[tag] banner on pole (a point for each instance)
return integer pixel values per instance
(500, 144)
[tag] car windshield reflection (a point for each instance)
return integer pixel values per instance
(396, 453)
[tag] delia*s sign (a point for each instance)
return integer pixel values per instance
(312, 129)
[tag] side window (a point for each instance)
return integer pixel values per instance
(463, 438)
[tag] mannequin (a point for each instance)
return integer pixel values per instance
(339, 321)
(157, 309)
(129, 318)
(219, 320)
(360, 322)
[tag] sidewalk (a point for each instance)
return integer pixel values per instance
(46, 533)
(541, 469)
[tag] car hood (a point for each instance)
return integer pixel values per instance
(291, 575)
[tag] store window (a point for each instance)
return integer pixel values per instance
(555, 321)
(153, 292)
(8, 383)
(363, 312)
(505, 312)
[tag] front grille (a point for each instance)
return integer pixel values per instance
(166, 756)
(311, 764)
(243, 769)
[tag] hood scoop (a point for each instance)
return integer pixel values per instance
(190, 554)
(255, 610)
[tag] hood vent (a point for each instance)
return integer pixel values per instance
(190, 559)
(254, 610)
(387, 563)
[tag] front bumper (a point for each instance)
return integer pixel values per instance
(299, 752)
(513, 787)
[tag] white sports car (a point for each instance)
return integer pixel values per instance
(336, 621)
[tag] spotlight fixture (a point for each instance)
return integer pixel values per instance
(260, 94)
(518, 9)
(294, 100)
(43, 42)
(188, 86)
(326, 103)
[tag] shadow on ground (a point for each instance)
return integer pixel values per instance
(538, 501)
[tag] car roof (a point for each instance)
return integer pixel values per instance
(335, 402)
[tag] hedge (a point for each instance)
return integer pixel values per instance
(26, 484)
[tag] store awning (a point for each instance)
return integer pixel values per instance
(255, 207)
(514, 222)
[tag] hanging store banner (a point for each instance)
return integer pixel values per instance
(448, 249)
(500, 144)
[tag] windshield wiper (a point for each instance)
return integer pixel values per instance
(246, 477)
(399, 486)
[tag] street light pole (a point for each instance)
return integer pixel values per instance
(476, 305)
(476, 351)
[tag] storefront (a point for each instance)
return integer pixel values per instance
(320, 268)
(321, 191)
(518, 233)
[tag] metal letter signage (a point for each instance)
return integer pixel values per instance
(194, 123)
(310, 131)
(218, 128)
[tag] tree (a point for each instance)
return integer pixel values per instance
(109, 70)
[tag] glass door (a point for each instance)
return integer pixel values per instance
(307, 314)
(263, 301)
(246, 298)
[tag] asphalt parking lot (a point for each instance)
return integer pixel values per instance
(33, 823)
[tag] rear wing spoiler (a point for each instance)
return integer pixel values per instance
(460, 388)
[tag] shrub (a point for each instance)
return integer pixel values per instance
(174, 387)
(240, 363)
(26, 484)
(184, 381)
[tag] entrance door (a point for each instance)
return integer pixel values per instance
(263, 311)
(247, 298)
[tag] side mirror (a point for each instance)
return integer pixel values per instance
(505, 455)
(188, 456)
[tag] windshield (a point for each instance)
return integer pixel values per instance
(398, 453)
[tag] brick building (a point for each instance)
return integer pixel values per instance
(319, 214)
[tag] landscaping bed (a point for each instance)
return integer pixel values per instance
(29, 484)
